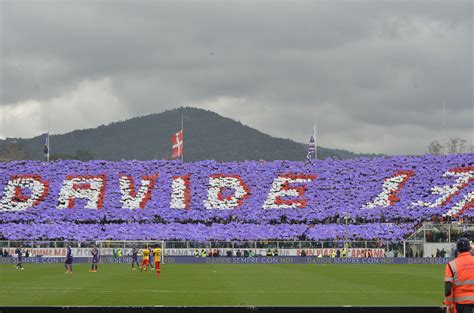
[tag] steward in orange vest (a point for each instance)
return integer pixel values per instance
(459, 280)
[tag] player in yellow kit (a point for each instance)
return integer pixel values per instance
(145, 260)
(157, 257)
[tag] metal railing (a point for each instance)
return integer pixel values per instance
(257, 247)
(442, 234)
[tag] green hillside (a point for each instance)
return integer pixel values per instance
(207, 135)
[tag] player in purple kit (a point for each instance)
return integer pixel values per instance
(68, 262)
(151, 258)
(95, 259)
(135, 257)
(19, 253)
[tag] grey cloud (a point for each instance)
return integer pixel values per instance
(371, 67)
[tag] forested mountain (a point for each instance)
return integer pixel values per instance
(207, 135)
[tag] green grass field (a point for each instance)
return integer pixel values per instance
(205, 284)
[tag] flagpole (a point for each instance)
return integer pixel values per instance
(314, 136)
(182, 131)
(48, 147)
(47, 124)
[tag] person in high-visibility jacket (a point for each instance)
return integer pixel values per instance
(343, 252)
(459, 280)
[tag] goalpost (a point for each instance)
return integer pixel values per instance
(107, 247)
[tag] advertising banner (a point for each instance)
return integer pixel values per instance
(241, 260)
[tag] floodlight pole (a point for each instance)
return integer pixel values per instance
(445, 139)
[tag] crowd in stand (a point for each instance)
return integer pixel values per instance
(334, 200)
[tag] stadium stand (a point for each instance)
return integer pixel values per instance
(361, 199)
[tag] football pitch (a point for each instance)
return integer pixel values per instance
(223, 284)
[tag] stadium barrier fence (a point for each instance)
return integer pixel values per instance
(188, 248)
(414, 247)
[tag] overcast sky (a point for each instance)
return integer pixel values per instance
(377, 72)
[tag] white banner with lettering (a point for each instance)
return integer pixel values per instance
(86, 252)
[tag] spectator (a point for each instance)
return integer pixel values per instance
(343, 252)
(442, 253)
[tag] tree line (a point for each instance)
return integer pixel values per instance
(14, 150)
(453, 145)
